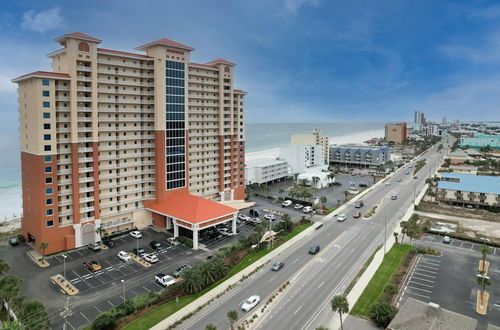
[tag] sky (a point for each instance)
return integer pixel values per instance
(299, 60)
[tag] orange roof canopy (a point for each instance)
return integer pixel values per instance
(191, 208)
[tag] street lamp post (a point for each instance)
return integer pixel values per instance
(123, 282)
(64, 265)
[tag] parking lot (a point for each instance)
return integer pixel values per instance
(450, 279)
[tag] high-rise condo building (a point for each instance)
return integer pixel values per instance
(113, 140)
(396, 132)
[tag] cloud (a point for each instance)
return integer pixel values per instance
(43, 21)
(294, 5)
(485, 53)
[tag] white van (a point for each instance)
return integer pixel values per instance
(307, 209)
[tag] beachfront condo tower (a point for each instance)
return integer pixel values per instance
(112, 140)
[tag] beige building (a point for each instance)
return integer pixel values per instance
(107, 133)
(396, 133)
(468, 189)
(314, 139)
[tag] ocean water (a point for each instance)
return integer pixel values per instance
(259, 137)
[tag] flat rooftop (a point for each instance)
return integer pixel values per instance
(263, 162)
(471, 183)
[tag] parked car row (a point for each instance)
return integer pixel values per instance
(305, 209)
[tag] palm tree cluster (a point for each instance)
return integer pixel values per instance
(202, 275)
(30, 314)
(410, 228)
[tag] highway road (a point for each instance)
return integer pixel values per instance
(345, 246)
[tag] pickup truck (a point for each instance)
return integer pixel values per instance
(165, 280)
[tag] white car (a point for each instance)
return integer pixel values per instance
(341, 217)
(124, 256)
(298, 206)
(286, 203)
(250, 303)
(135, 234)
(353, 191)
(270, 217)
(307, 209)
(151, 258)
(172, 241)
(387, 183)
(243, 217)
(225, 232)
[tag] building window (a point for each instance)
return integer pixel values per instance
(47, 159)
(49, 201)
(49, 212)
(50, 223)
(48, 191)
(46, 115)
(46, 104)
(48, 169)
(47, 148)
(45, 82)
(83, 47)
(46, 137)
(48, 180)
(46, 126)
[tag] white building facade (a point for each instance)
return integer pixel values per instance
(303, 158)
(264, 170)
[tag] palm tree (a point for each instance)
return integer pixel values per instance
(396, 236)
(323, 201)
(210, 327)
(303, 183)
(259, 229)
(404, 228)
(281, 191)
(11, 325)
(232, 315)
(9, 288)
(4, 267)
(483, 281)
(484, 250)
(345, 194)
(315, 180)
(99, 231)
(208, 272)
(340, 305)
(193, 281)
(219, 268)
(295, 177)
(43, 247)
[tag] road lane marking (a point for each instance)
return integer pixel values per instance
(295, 260)
(272, 278)
(321, 284)
(461, 244)
(297, 310)
(338, 265)
(472, 246)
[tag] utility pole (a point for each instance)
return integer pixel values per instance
(66, 313)
(385, 233)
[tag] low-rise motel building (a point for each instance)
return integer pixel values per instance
(113, 140)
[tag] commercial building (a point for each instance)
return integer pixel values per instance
(264, 170)
(433, 130)
(468, 189)
(459, 157)
(314, 139)
(396, 132)
(303, 158)
(481, 141)
(467, 169)
(112, 140)
(359, 156)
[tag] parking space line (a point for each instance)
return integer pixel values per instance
(427, 285)
(416, 294)
(431, 261)
(495, 251)
(472, 246)
(421, 279)
(461, 244)
(146, 288)
(425, 275)
(98, 309)
(85, 317)
(81, 254)
(434, 268)
(428, 271)
(411, 287)
(109, 302)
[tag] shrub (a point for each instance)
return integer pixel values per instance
(145, 300)
(21, 238)
(186, 241)
(103, 322)
(390, 289)
(382, 313)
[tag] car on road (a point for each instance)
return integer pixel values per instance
(341, 217)
(307, 209)
(447, 239)
(353, 191)
(155, 245)
(278, 265)
(359, 204)
(135, 234)
(94, 247)
(179, 270)
(407, 173)
(139, 252)
(92, 265)
(314, 249)
(298, 206)
(243, 217)
(165, 280)
(357, 215)
(394, 196)
(151, 258)
(415, 177)
(399, 180)
(270, 217)
(286, 203)
(13, 242)
(363, 185)
(250, 303)
(109, 243)
(124, 256)
(387, 183)
(172, 241)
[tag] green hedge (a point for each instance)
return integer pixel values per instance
(186, 241)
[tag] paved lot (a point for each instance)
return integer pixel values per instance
(450, 280)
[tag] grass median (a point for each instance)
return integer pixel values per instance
(375, 288)
(163, 311)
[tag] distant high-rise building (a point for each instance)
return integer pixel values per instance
(445, 121)
(314, 139)
(113, 140)
(418, 120)
(395, 132)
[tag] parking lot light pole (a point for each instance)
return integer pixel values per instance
(64, 265)
(123, 282)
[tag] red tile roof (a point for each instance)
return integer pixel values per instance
(42, 74)
(117, 52)
(191, 208)
(222, 61)
(78, 35)
(239, 91)
(167, 42)
(208, 66)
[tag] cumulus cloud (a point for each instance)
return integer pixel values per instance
(294, 5)
(42, 21)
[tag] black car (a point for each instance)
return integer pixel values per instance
(359, 204)
(109, 243)
(278, 265)
(13, 242)
(363, 185)
(314, 249)
(139, 252)
(155, 245)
